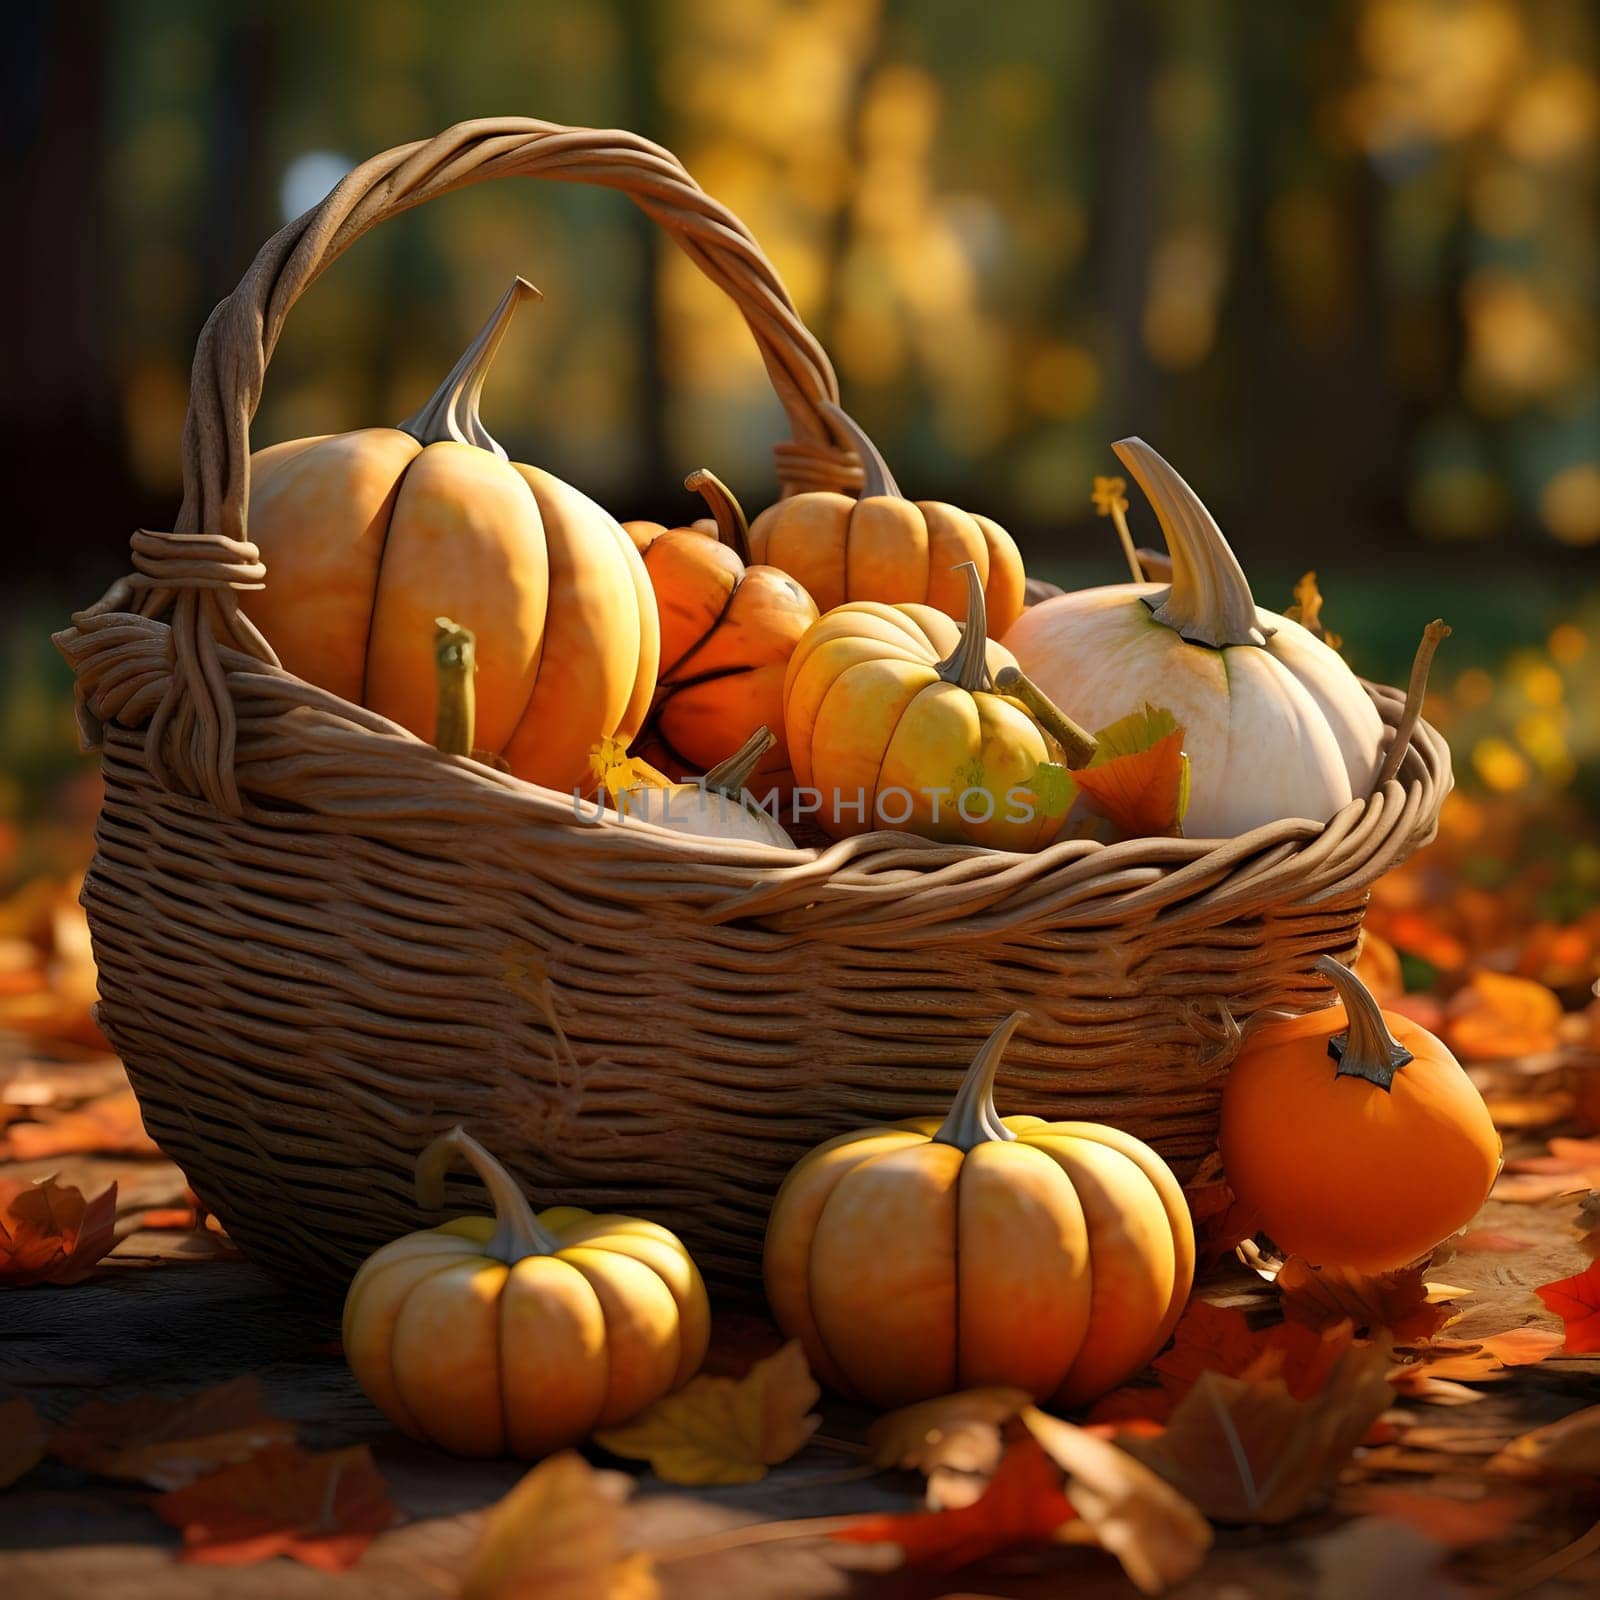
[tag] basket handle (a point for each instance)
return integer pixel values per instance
(192, 574)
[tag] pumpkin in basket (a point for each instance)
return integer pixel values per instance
(1277, 725)
(894, 721)
(728, 629)
(368, 536)
(519, 1334)
(886, 547)
(1353, 1134)
(931, 1256)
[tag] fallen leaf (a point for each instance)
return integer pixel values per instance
(1398, 1302)
(555, 1537)
(111, 1125)
(1212, 1338)
(1129, 1511)
(1497, 1017)
(1576, 1300)
(1578, 1159)
(1139, 777)
(1485, 1241)
(1023, 1505)
(168, 1443)
(1221, 1220)
(725, 1430)
(953, 1441)
(23, 1437)
(1569, 1448)
(50, 1234)
(1247, 1451)
(321, 1510)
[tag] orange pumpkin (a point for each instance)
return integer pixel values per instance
(885, 547)
(1354, 1135)
(727, 631)
(927, 1256)
(369, 536)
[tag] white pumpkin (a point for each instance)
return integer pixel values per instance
(716, 806)
(1277, 725)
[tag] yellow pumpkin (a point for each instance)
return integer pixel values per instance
(368, 536)
(885, 547)
(928, 1256)
(893, 721)
(516, 1334)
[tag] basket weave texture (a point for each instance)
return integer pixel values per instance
(321, 941)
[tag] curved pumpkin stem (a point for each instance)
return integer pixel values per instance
(1366, 1049)
(732, 773)
(455, 660)
(967, 666)
(1077, 746)
(732, 528)
(452, 412)
(973, 1119)
(1210, 600)
(517, 1232)
(877, 480)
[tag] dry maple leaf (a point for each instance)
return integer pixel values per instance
(1221, 1220)
(1129, 1511)
(23, 1437)
(725, 1430)
(1497, 1017)
(322, 1510)
(111, 1125)
(168, 1443)
(954, 1441)
(1576, 1300)
(1398, 1302)
(1248, 1451)
(555, 1537)
(1023, 1505)
(1219, 1339)
(50, 1234)
(1139, 777)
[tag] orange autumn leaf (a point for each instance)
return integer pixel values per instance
(111, 1125)
(168, 1443)
(1498, 1017)
(1576, 1300)
(1486, 1241)
(953, 1441)
(1577, 1159)
(1023, 1505)
(1397, 1302)
(1219, 1339)
(23, 1437)
(1221, 1219)
(321, 1510)
(50, 1234)
(1139, 777)
(1455, 1524)
(1418, 934)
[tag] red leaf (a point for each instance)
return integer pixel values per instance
(1219, 1339)
(1023, 1505)
(50, 1234)
(1576, 1301)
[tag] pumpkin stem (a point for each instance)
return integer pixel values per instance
(973, 1119)
(967, 666)
(455, 659)
(876, 479)
(452, 412)
(1366, 1049)
(732, 528)
(518, 1233)
(1433, 636)
(732, 773)
(1077, 746)
(1210, 600)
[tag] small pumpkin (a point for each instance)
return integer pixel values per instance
(885, 547)
(894, 720)
(728, 628)
(368, 536)
(928, 1256)
(716, 806)
(1276, 724)
(519, 1334)
(1353, 1134)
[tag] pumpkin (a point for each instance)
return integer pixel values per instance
(728, 629)
(716, 806)
(1276, 724)
(925, 1257)
(1353, 1134)
(887, 548)
(519, 1334)
(893, 721)
(368, 536)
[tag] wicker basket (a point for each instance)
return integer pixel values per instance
(321, 941)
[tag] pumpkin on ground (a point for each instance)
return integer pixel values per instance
(519, 1334)
(1276, 724)
(887, 548)
(368, 536)
(926, 1257)
(1353, 1134)
(728, 628)
(893, 719)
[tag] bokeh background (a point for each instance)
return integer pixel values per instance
(1338, 260)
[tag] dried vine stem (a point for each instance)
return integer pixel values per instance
(1433, 636)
